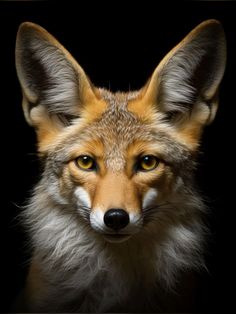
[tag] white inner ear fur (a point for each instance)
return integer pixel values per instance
(189, 76)
(62, 76)
(177, 86)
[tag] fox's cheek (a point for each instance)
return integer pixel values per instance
(82, 197)
(97, 220)
(149, 198)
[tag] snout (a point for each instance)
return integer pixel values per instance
(115, 224)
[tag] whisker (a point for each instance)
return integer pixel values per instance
(152, 213)
(84, 212)
(155, 207)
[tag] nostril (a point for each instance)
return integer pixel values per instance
(116, 218)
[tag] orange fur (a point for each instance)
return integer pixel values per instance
(116, 236)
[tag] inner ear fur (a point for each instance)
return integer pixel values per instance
(184, 86)
(53, 83)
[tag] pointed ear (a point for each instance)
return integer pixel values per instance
(184, 86)
(54, 86)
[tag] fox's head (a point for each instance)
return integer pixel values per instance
(119, 160)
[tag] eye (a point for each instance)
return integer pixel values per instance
(85, 162)
(147, 163)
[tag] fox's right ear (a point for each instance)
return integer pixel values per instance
(184, 86)
(54, 86)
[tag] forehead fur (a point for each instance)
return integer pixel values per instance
(116, 131)
(117, 128)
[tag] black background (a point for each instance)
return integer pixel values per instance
(119, 45)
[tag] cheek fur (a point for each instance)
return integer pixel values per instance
(149, 197)
(82, 197)
(97, 220)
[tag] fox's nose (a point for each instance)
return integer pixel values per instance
(116, 218)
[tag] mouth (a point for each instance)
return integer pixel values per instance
(116, 238)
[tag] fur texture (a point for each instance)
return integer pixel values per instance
(79, 264)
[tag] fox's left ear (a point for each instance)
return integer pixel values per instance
(185, 84)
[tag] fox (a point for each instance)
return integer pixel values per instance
(116, 220)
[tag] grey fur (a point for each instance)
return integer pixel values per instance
(81, 271)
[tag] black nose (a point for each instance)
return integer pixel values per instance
(116, 218)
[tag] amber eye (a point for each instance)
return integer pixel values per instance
(85, 162)
(147, 163)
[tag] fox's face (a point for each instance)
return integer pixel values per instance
(120, 162)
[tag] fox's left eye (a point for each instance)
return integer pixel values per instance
(147, 163)
(85, 162)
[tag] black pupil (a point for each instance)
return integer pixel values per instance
(86, 160)
(148, 160)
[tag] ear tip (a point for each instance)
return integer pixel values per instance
(30, 29)
(29, 25)
(211, 31)
(212, 25)
(211, 22)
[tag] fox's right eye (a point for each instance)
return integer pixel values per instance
(85, 162)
